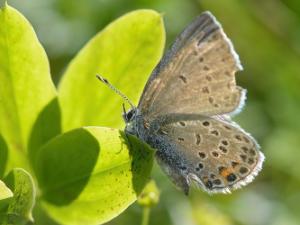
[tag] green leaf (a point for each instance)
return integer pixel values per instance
(5, 198)
(5, 192)
(41, 217)
(27, 93)
(90, 175)
(125, 52)
(20, 207)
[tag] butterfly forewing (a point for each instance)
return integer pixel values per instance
(215, 153)
(196, 76)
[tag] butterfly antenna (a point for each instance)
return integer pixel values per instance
(124, 109)
(105, 81)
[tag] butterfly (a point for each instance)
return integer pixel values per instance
(185, 112)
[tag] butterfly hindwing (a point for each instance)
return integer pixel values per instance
(215, 153)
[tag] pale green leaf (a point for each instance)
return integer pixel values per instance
(27, 94)
(20, 207)
(125, 53)
(90, 175)
(5, 192)
(5, 198)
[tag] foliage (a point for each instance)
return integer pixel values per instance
(18, 209)
(85, 174)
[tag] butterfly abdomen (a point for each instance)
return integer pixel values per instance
(170, 160)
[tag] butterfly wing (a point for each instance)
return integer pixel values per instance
(214, 152)
(185, 107)
(197, 75)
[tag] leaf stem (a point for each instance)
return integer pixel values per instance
(146, 215)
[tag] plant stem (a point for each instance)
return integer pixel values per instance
(146, 215)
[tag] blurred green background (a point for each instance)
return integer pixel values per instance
(266, 34)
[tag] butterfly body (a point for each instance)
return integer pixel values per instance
(167, 155)
(185, 113)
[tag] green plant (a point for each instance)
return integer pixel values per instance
(81, 173)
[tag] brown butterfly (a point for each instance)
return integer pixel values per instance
(185, 112)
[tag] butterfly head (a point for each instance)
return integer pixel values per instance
(130, 115)
(130, 118)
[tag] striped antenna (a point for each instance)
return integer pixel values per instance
(105, 81)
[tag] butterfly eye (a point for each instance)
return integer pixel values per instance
(129, 115)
